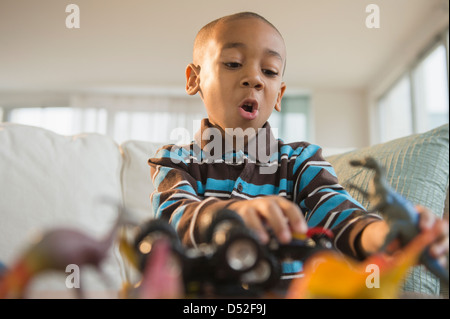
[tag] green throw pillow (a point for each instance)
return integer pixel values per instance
(417, 167)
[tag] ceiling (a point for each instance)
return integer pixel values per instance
(143, 43)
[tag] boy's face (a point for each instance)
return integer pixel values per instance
(239, 74)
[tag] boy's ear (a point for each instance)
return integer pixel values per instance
(192, 79)
(280, 96)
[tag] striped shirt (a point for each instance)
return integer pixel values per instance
(197, 178)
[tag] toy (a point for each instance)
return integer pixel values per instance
(229, 261)
(55, 250)
(331, 275)
(212, 268)
(398, 212)
(2, 268)
(162, 274)
(160, 271)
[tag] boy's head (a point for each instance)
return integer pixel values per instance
(238, 64)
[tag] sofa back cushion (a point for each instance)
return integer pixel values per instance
(136, 180)
(49, 180)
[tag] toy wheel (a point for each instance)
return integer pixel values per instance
(240, 251)
(265, 275)
(150, 232)
(209, 225)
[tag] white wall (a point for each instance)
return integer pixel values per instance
(340, 118)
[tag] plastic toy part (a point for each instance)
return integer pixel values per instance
(229, 260)
(399, 213)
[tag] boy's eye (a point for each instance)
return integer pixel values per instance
(232, 65)
(270, 72)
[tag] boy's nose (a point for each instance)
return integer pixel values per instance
(252, 81)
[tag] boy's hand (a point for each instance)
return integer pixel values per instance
(439, 249)
(278, 213)
(374, 234)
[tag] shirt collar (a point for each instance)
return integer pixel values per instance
(257, 145)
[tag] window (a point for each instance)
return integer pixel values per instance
(395, 116)
(431, 90)
(63, 120)
(293, 122)
(418, 101)
(160, 127)
(168, 119)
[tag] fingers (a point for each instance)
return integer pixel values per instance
(253, 220)
(277, 213)
(294, 215)
(277, 221)
(440, 248)
(427, 218)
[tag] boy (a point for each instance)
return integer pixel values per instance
(235, 163)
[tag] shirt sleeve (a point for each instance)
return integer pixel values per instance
(326, 203)
(176, 197)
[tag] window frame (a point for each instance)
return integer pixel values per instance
(440, 39)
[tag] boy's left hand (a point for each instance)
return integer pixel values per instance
(440, 248)
(374, 235)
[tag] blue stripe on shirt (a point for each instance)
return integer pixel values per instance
(308, 152)
(176, 216)
(155, 201)
(187, 188)
(343, 215)
(164, 205)
(266, 189)
(289, 151)
(219, 185)
(161, 175)
(177, 156)
(308, 175)
(325, 208)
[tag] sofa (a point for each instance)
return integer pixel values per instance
(48, 181)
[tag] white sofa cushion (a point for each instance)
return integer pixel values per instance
(48, 180)
(136, 180)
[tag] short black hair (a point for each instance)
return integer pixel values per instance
(206, 31)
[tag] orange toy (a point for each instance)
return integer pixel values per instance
(331, 275)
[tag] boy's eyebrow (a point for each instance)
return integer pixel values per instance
(274, 53)
(232, 45)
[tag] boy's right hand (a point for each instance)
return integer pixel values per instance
(281, 215)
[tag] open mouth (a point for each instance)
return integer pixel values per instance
(249, 109)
